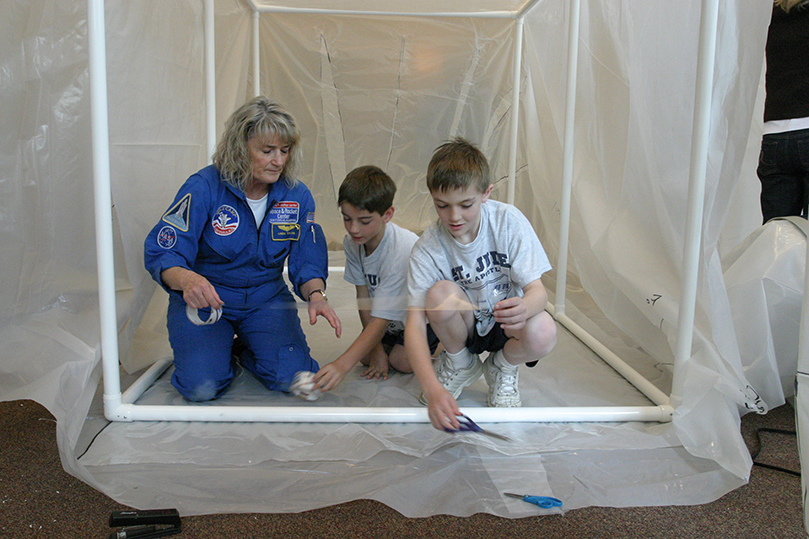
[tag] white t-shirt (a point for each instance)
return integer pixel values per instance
(384, 273)
(259, 208)
(505, 256)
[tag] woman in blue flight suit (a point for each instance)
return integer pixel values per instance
(222, 244)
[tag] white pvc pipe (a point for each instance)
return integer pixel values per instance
(631, 375)
(103, 202)
(700, 138)
(256, 55)
(367, 13)
(567, 159)
(526, 8)
(210, 78)
(145, 381)
(515, 112)
(324, 414)
(116, 410)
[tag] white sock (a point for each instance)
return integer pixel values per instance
(461, 359)
(499, 360)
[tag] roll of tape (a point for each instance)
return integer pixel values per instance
(193, 314)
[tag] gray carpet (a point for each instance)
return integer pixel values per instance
(39, 499)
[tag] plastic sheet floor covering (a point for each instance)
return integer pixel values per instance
(256, 467)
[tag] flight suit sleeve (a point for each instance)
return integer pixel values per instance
(174, 240)
(308, 257)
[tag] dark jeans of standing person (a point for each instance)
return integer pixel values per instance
(783, 168)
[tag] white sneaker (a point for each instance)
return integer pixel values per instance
(503, 390)
(454, 380)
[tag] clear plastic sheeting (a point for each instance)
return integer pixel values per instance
(764, 276)
(386, 90)
(214, 467)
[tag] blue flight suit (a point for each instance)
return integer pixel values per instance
(210, 229)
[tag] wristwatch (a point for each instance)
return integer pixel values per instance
(322, 293)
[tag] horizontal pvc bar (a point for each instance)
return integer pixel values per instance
(322, 414)
(145, 381)
(323, 11)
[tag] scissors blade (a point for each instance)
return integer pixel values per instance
(474, 427)
(495, 435)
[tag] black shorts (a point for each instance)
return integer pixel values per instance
(392, 338)
(493, 341)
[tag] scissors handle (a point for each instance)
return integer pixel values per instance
(546, 502)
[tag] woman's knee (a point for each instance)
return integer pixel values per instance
(199, 388)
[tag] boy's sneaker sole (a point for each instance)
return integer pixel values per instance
(455, 380)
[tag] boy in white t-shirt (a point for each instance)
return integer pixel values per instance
(475, 277)
(377, 253)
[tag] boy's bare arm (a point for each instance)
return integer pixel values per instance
(512, 313)
(333, 373)
(441, 406)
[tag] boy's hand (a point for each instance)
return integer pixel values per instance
(443, 410)
(378, 365)
(511, 313)
(330, 376)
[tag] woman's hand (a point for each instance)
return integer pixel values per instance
(319, 306)
(197, 291)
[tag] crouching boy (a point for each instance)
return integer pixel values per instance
(377, 253)
(475, 278)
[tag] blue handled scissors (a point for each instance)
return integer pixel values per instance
(467, 425)
(545, 502)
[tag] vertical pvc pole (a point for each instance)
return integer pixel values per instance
(210, 78)
(256, 56)
(103, 203)
(700, 138)
(567, 159)
(515, 112)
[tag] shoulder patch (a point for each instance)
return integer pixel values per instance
(310, 217)
(225, 221)
(167, 237)
(178, 215)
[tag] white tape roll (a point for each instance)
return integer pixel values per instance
(303, 386)
(193, 315)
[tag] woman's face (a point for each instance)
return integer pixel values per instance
(268, 156)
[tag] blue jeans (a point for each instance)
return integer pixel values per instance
(783, 168)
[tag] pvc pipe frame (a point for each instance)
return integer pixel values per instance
(121, 407)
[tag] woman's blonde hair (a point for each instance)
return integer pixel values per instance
(259, 117)
(787, 5)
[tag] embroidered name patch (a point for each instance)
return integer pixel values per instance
(284, 212)
(286, 232)
(225, 221)
(178, 214)
(167, 237)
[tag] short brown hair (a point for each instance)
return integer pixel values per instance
(458, 164)
(367, 188)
